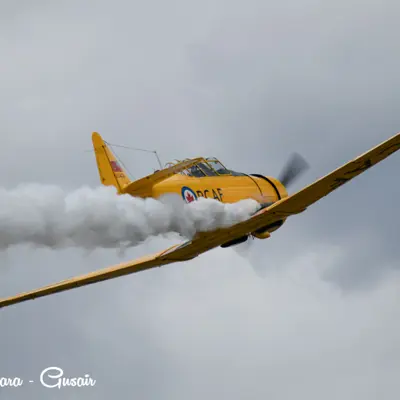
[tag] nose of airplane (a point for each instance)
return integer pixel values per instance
(271, 189)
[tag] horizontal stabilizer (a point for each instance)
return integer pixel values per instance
(143, 186)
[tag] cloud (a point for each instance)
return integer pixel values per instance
(248, 84)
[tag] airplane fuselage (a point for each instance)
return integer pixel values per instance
(227, 189)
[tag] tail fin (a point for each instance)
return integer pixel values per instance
(111, 173)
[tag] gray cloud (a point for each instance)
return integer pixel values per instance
(249, 84)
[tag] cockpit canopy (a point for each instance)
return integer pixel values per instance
(207, 167)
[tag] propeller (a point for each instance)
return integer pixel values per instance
(295, 167)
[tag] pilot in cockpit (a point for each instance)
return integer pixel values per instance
(196, 172)
(206, 169)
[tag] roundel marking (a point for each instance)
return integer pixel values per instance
(188, 194)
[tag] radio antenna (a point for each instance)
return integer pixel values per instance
(138, 149)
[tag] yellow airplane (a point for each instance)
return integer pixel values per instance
(201, 177)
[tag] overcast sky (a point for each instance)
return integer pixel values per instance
(310, 313)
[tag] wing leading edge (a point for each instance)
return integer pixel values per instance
(205, 241)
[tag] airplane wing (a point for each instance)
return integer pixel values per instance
(205, 241)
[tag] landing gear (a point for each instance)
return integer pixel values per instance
(236, 241)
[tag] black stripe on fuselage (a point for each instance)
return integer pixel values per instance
(270, 182)
(255, 183)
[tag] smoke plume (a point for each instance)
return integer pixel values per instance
(48, 216)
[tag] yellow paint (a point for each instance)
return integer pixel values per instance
(111, 173)
(262, 222)
(225, 188)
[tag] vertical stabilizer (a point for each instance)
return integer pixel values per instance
(110, 171)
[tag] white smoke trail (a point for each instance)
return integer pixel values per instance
(47, 216)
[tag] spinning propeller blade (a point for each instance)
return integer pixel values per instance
(296, 166)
